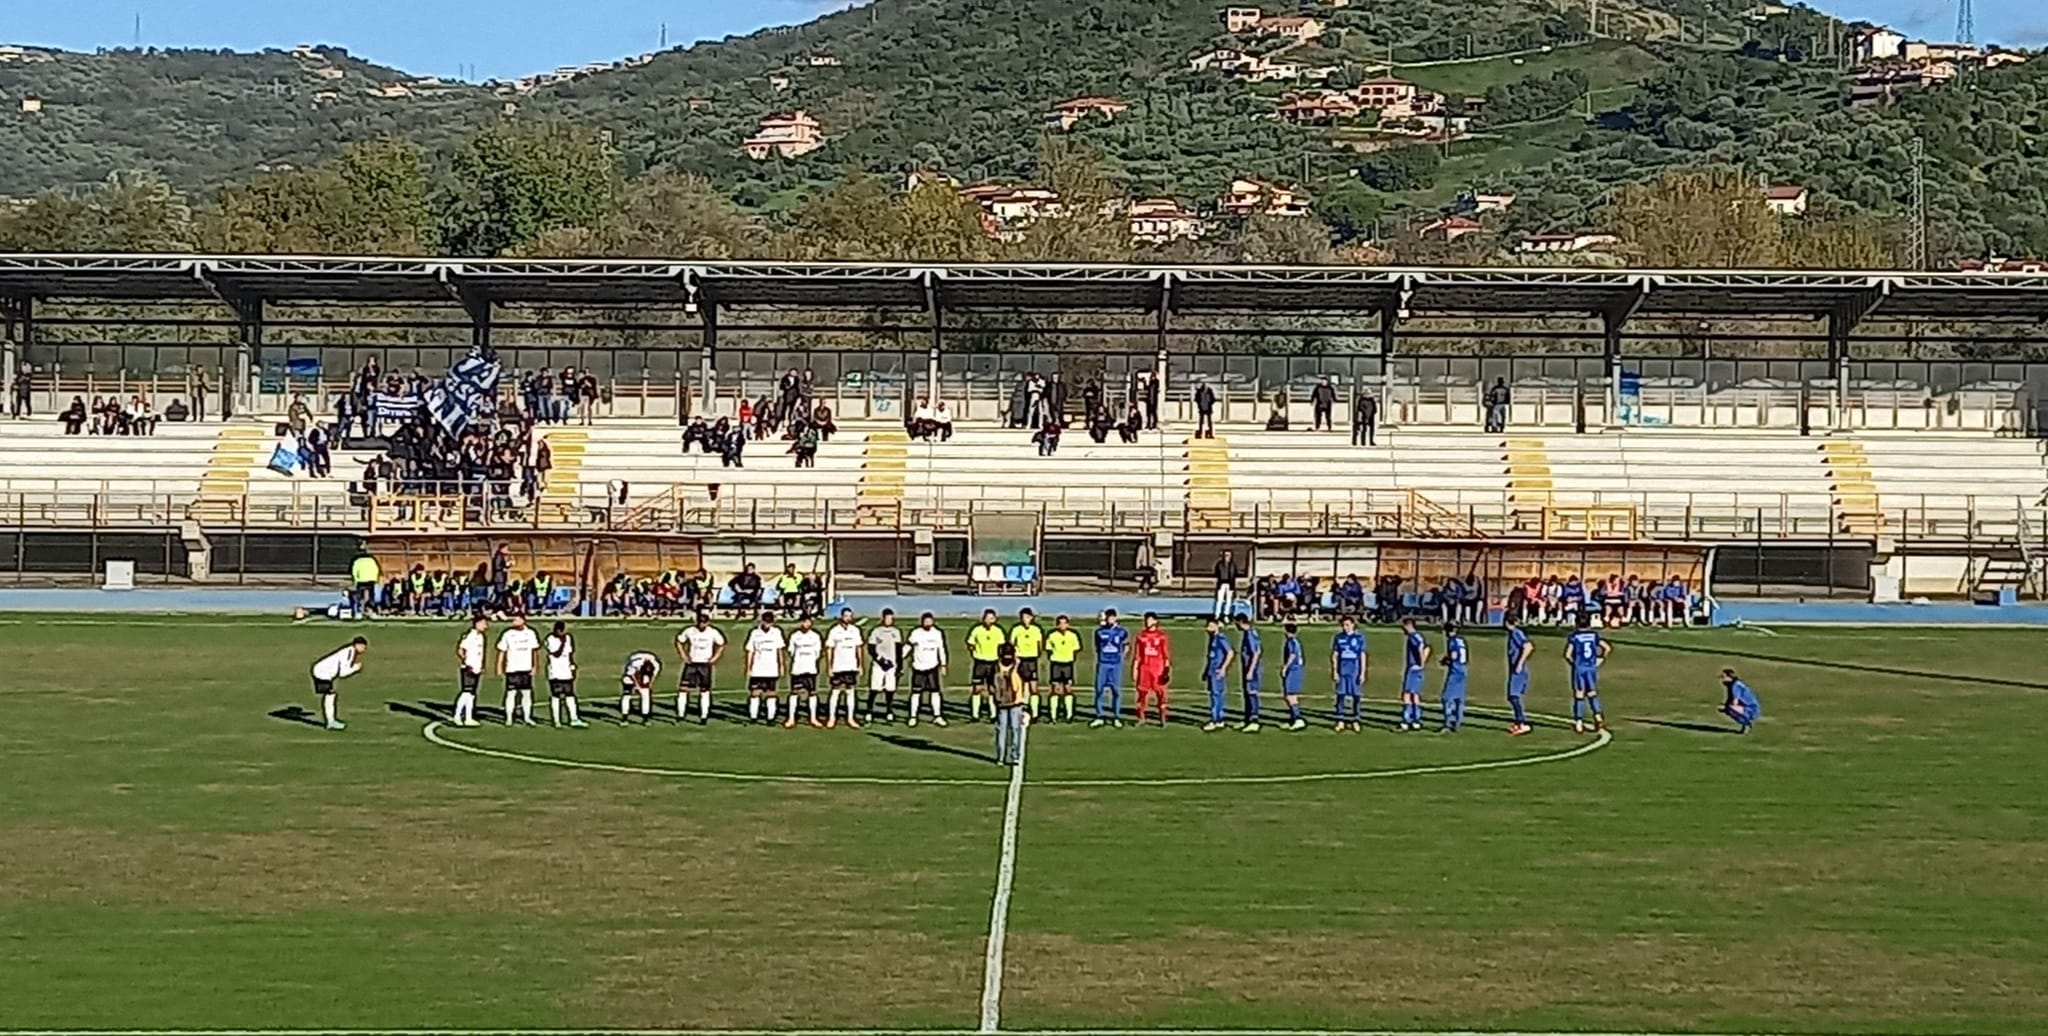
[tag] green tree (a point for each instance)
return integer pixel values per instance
(666, 214)
(1409, 168)
(512, 183)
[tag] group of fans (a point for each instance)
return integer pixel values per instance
(1019, 673)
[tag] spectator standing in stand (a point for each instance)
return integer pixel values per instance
(1227, 575)
(1205, 410)
(1153, 386)
(789, 390)
(1323, 403)
(1056, 397)
(1497, 406)
(586, 397)
(1020, 403)
(199, 398)
(1091, 399)
(23, 391)
(1365, 418)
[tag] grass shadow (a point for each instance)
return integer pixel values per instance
(431, 712)
(920, 744)
(1674, 724)
(298, 714)
(1842, 667)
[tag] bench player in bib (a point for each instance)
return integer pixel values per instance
(699, 646)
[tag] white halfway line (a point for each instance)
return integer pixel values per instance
(999, 909)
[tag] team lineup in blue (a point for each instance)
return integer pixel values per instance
(1007, 682)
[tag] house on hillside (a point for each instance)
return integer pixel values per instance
(788, 134)
(328, 72)
(1253, 197)
(780, 81)
(1159, 221)
(1449, 228)
(1994, 57)
(1875, 43)
(390, 91)
(1473, 203)
(2000, 264)
(1300, 28)
(1068, 114)
(1584, 240)
(1239, 20)
(1882, 87)
(1786, 199)
(31, 105)
(824, 61)
(1386, 92)
(1317, 108)
(1012, 206)
(1222, 59)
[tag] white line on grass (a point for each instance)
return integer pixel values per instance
(999, 908)
(432, 732)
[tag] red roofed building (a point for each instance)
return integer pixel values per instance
(789, 134)
(1067, 114)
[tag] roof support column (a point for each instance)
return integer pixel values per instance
(1159, 340)
(1390, 320)
(1843, 320)
(707, 360)
(1614, 318)
(248, 357)
(16, 318)
(931, 367)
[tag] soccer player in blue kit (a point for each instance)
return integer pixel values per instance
(1586, 650)
(1740, 705)
(1519, 650)
(1455, 659)
(1111, 641)
(1250, 659)
(1293, 669)
(1415, 652)
(1215, 674)
(1347, 671)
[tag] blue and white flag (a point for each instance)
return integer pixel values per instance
(389, 407)
(470, 389)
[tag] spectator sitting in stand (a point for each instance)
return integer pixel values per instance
(805, 446)
(1277, 420)
(821, 419)
(1134, 422)
(1048, 438)
(74, 416)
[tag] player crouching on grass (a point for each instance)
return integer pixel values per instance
(561, 652)
(1740, 704)
(336, 665)
(636, 679)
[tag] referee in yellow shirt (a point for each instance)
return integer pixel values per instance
(1028, 637)
(985, 645)
(1062, 649)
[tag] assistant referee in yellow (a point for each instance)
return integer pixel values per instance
(1062, 648)
(984, 645)
(1028, 637)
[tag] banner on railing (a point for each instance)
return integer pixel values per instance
(471, 388)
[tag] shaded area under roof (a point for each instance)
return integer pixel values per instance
(1080, 288)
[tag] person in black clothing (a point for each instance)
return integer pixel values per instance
(1056, 396)
(199, 398)
(1205, 411)
(746, 589)
(1365, 417)
(790, 391)
(1152, 389)
(1227, 576)
(1324, 401)
(74, 416)
(1497, 406)
(1091, 400)
(23, 390)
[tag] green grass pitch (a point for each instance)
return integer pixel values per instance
(173, 854)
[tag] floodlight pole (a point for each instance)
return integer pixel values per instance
(248, 354)
(931, 369)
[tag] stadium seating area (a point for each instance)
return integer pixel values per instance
(1673, 483)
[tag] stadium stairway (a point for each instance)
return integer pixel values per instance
(1208, 481)
(1858, 510)
(882, 469)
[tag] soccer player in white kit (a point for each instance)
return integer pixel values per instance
(765, 644)
(517, 647)
(342, 662)
(560, 649)
(470, 664)
(637, 678)
(927, 668)
(843, 646)
(806, 648)
(700, 647)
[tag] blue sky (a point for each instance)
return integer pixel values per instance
(509, 38)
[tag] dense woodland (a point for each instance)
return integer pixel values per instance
(257, 152)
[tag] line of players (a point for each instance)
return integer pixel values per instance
(845, 651)
(995, 653)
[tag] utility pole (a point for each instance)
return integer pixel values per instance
(1966, 23)
(1916, 231)
(1593, 25)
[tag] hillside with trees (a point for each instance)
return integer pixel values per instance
(314, 150)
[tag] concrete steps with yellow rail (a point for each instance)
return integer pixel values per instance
(238, 451)
(1858, 511)
(566, 450)
(884, 467)
(1526, 464)
(1208, 484)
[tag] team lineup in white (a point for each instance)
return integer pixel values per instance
(1006, 677)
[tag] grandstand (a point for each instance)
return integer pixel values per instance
(1924, 477)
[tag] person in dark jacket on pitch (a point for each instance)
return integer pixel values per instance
(1205, 411)
(1365, 418)
(1323, 400)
